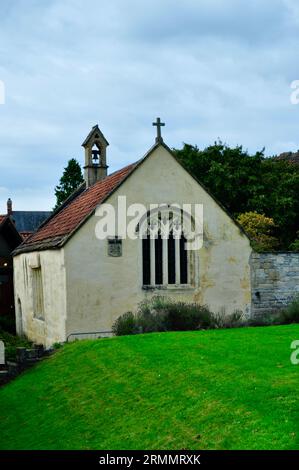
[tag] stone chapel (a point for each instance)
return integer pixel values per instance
(69, 282)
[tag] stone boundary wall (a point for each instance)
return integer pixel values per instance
(274, 280)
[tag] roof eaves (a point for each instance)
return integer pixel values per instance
(50, 244)
(72, 196)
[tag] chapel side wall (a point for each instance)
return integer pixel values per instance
(52, 328)
(100, 288)
(275, 281)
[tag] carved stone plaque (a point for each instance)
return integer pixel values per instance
(115, 247)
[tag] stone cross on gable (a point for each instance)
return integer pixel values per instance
(158, 124)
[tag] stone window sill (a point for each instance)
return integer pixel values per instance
(170, 287)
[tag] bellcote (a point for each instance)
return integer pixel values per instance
(95, 145)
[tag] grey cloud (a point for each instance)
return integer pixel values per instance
(209, 68)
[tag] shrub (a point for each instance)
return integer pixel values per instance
(295, 245)
(151, 315)
(260, 230)
(265, 319)
(183, 317)
(291, 313)
(126, 324)
(232, 320)
(163, 314)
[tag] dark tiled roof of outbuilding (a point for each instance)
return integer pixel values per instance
(69, 218)
(29, 221)
(14, 238)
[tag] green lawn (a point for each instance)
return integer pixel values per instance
(220, 389)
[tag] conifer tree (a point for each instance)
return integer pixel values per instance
(70, 180)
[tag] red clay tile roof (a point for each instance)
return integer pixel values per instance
(69, 217)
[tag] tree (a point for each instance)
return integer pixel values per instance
(295, 245)
(278, 198)
(231, 174)
(248, 183)
(70, 180)
(260, 230)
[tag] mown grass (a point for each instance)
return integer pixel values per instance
(217, 389)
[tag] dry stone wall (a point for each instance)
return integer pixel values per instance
(274, 280)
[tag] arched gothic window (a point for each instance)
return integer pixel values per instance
(165, 259)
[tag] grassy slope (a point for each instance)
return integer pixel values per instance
(235, 388)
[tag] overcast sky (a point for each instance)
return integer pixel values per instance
(210, 68)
